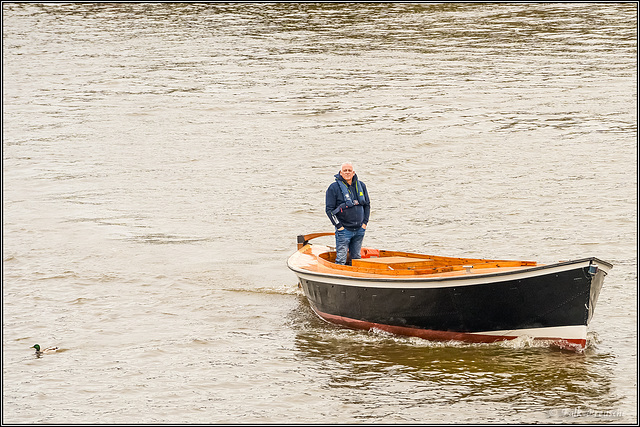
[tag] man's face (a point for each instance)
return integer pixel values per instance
(347, 172)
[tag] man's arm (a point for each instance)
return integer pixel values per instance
(331, 203)
(367, 206)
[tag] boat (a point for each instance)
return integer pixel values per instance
(443, 298)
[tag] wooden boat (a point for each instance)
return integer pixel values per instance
(443, 298)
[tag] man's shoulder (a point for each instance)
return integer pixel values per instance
(333, 186)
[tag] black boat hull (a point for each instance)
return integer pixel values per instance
(551, 302)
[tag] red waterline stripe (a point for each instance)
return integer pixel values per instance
(430, 334)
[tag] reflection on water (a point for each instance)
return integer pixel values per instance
(521, 373)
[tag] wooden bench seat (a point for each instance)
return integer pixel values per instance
(393, 263)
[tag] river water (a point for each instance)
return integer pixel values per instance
(159, 160)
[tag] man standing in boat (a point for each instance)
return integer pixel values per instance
(347, 205)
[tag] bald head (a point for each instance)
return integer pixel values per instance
(346, 171)
(346, 164)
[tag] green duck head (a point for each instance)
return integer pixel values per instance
(37, 347)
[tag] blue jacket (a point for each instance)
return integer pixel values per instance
(340, 215)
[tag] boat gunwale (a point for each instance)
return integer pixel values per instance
(424, 278)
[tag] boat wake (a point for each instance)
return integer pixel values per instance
(286, 289)
(518, 343)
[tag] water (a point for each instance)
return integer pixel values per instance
(160, 159)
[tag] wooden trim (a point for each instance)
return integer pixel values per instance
(303, 239)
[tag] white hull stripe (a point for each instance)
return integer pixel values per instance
(566, 332)
(435, 282)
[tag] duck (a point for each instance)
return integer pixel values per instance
(47, 350)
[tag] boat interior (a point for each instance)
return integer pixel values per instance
(394, 263)
(375, 262)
